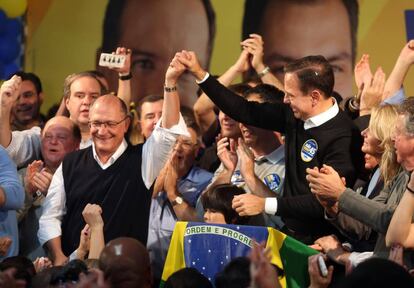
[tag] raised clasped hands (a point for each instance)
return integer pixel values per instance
(254, 45)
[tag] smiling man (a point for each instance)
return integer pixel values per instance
(26, 110)
(110, 173)
(316, 132)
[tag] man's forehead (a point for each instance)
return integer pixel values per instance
(191, 137)
(85, 83)
(27, 85)
(184, 138)
(57, 126)
(184, 25)
(291, 81)
(151, 107)
(321, 28)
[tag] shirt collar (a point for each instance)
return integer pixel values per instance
(275, 156)
(121, 149)
(85, 143)
(323, 117)
(190, 176)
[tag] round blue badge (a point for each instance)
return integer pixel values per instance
(309, 149)
(237, 179)
(272, 181)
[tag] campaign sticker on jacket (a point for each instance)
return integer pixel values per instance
(309, 149)
(237, 178)
(272, 181)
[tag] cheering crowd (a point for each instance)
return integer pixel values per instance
(91, 193)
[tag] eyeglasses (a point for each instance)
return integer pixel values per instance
(106, 124)
(185, 143)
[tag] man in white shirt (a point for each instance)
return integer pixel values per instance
(111, 173)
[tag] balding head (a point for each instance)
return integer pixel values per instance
(111, 101)
(125, 262)
(65, 122)
(60, 136)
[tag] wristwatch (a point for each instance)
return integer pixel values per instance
(37, 194)
(124, 77)
(177, 201)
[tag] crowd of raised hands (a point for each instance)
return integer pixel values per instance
(373, 90)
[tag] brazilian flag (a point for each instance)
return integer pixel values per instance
(210, 247)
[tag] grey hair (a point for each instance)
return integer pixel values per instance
(407, 109)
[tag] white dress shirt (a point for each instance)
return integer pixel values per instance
(154, 155)
(24, 146)
(323, 117)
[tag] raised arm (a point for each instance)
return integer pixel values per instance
(362, 72)
(254, 45)
(372, 93)
(171, 106)
(263, 115)
(400, 70)
(204, 107)
(92, 216)
(158, 146)
(124, 82)
(9, 92)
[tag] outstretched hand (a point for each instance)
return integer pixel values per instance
(362, 72)
(372, 93)
(407, 53)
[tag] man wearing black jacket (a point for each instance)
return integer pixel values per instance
(316, 132)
